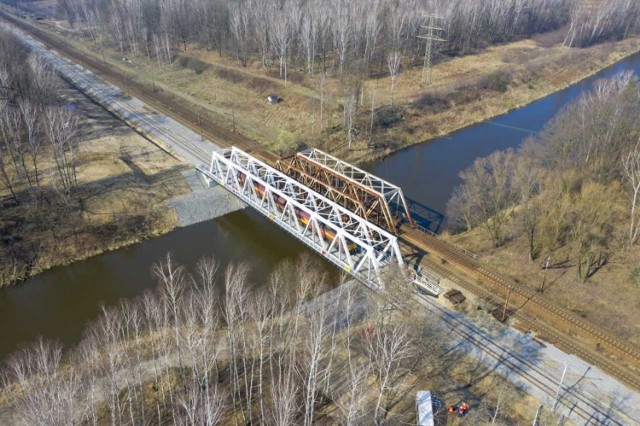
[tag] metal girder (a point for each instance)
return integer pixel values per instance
(366, 195)
(346, 239)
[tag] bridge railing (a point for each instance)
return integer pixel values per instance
(359, 247)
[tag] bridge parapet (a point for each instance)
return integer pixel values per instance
(349, 241)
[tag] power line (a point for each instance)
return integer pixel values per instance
(432, 35)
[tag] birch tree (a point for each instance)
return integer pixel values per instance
(631, 167)
(394, 60)
(389, 346)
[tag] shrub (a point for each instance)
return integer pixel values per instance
(193, 64)
(292, 77)
(285, 144)
(262, 85)
(388, 117)
(497, 81)
(432, 102)
(229, 75)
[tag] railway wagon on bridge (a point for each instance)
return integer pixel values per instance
(367, 195)
(303, 217)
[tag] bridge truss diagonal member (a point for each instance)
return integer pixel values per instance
(363, 193)
(349, 241)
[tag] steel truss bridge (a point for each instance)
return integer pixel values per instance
(350, 241)
(368, 196)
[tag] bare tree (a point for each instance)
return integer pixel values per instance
(526, 186)
(394, 59)
(61, 127)
(48, 396)
(631, 164)
(350, 106)
(486, 194)
(30, 118)
(235, 300)
(389, 345)
(284, 23)
(45, 79)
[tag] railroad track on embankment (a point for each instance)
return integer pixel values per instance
(561, 327)
(551, 323)
(158, 100)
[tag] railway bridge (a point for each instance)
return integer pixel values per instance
(344, 213)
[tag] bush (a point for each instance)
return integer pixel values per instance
(285, 144)
(497, 81)
(262, 85)
(229, 75)
(292, 77)
(193, 64)
(432, 102)
(389, 117)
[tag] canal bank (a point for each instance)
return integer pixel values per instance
(429, 172)
(60, 303)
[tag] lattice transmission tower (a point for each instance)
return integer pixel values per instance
(433, 35)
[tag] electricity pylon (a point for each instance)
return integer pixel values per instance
(433, 34)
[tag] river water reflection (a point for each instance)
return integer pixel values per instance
(60, 303)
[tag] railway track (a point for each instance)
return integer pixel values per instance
(541, 309)
(158, 100)
(585, 405)
(549, 332)
(485, 276)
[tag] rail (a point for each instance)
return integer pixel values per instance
(456, 247)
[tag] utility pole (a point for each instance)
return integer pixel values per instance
(200, 126)
(506, 304)
(544, 277)
(433, 34)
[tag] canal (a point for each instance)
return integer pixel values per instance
(60, 303)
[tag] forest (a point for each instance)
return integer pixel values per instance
(209, 347)
(33, 116)
(573, 191)
(38, 161)
(368, 36)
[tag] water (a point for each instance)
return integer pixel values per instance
(60, 303)
(428, 172)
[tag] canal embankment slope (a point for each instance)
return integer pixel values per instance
(134, 181)
(465, 90)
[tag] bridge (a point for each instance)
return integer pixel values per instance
(328, 211)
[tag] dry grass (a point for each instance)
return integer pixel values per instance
(227, 91)
(124, 182)
(610, 298)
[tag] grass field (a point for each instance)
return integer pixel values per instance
(123, 184)
(465, 90)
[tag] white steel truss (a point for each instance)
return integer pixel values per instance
(347, 240)
(388, 191)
